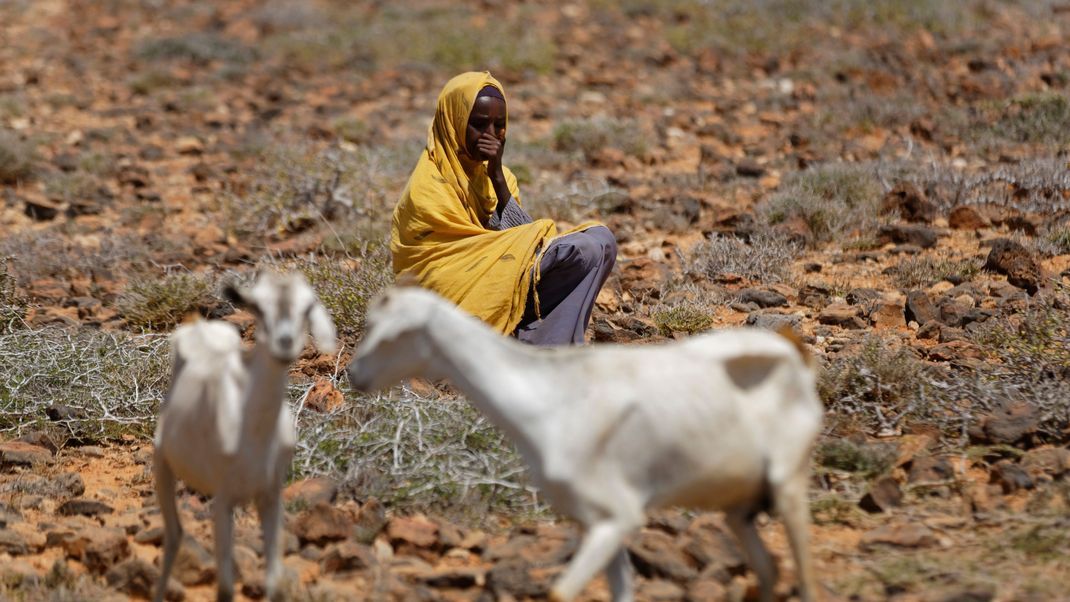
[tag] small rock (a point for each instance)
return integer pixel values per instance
(418, 531)
(133, 576)
(194, 565)
(888, 314)
(1010, 476)
(347, 556)
(1051, 461)
(883, 495)
(930, 469)
(98, 548)
(189, 145)
(701, 590)
(16, 453)
(311, 492)
(1016, 262)
(1008, 424)
(659, 590)
(655, 554)
(763, 298)
(13, 543)
(964, 217)
(370, 521)
(749, 168)
(920, 308)
(844, 316)
(453, 577)
(516, 577)
(133, 175)
(921, 236)
(321, 524)
(84, 507)
(772, 321)
(42, 209)
(909, 202)
(324, 397)
(902, 535)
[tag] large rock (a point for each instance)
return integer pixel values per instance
(310, 492)
(98, 548)
(321, 524)
(370, 521)
(655, 554)
(762, 297)
(84, 507)
(912, 234)
(347, 556)
(1008, 424)
(1016, 262)
(842, 315)
(909, 202)
(519, 579)
(417, 531)
(920, 308)
(965, 217)
(883, 495)
(17, 453)
(899, 535)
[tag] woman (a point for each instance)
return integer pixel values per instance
(460, 231)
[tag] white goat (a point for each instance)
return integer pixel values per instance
(225, 428)
(723, 421)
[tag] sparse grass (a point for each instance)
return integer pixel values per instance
(866, 460)
(161, 304)
(835, 510)
(589, 136)
(345, 286)
(878, 388)
(13, 304)
(838, 202)
(196, 47)
(765, 258)
(59, 584)
(1035, 119)
(1042, 542)
(924, 271)
(415, 452)
(112, 383)
(53, 253)
(352, 129)
(151, 80)
(689, 318)
(18, 158)
(71, 186)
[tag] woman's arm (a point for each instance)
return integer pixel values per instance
(494, 147)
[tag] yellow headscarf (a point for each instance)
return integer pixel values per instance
(438, 232)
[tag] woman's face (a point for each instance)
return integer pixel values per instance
(488, 116)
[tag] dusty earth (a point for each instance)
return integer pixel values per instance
(889, 177)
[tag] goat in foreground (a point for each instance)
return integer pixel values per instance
(723, 421)
(224, 426)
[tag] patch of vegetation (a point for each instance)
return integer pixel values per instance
(878, 387)
(18, 158)
(13, 304)
(60, 584)
(689, 318)
(71, 186)
(345, 286)
(866, 460)
(1042, 118)
(836, 201)
(106, 383)
(835, 510)
(161, 304)
(764, 258)
(196, 47)
(149, 81)
(1059, 238)
(589, 136)
(1042, 542)
(414, 452)
(53, 253)
(352, 129)
(921, 272)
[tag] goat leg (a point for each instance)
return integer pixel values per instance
(269, 507)
(619, 574)
(742, 524)
(794, 508)
(599, 546)
(224, 539)
(172, 526)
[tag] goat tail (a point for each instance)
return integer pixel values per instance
(789, 333)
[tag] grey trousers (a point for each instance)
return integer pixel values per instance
(573, 270)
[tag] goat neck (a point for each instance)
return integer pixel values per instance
(500, 376)
(265, 394)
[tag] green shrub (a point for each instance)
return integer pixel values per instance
(162, 304)
(764, 258)
(589, 136)
(835, 201)
(12, 303)
(18, 158)
(197, 47)
(1035, 118)
(688, 318)
(921, 272)
(345, 286)
(867, 460)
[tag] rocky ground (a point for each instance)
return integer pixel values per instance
(891, 177)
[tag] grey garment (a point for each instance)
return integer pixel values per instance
(573, 270)
(512, 215)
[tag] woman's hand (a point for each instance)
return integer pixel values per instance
(493, 148)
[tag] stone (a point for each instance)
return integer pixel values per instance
(310, 492)
(900, 535)
(702, 590)
(1008, 424)
(13, 543)
(42, 209)
(64, 485)
(888, 314)
(133, 577)
(909, 202)
(643, 277)
(417, 530)
(920, 308)
(763, 298)
(321, 524)
(1010, 476)
(654, 554)
(98, 548)
(771, 320)
(452, 577)
(659, 590)
(930, 469)
(17, 453)
(347, 556)
(921, 236)
(844, 316)
(324, 397)
(1016, 262)
(370, 521)
(1050, 461)
(883, 495)
(194, 564)
(84, 507)
(516, 577)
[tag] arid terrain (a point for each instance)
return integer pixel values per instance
(890, 177)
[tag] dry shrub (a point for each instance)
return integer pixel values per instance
(922, 272)
(687, 317)
(346, 286)
(765, 257)
(161, 304)
(589, 136)
(836, 201)
(13, 304)
(18, 158)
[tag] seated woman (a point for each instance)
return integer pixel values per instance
(460, 231)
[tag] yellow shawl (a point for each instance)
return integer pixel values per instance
(438, 233)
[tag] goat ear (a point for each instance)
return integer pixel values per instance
(322, 327)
